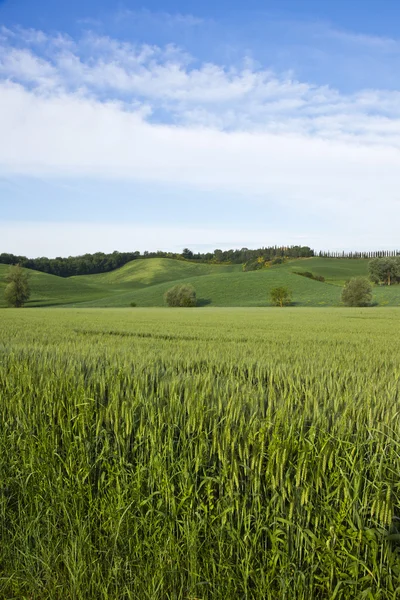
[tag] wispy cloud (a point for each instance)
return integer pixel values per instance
(103, 108)
(161, 17)
(166, 82)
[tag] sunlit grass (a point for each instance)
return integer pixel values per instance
(199, 454)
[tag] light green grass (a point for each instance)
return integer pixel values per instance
(152, 271)
(233, 289)
(145, 282)
(176, 454)
(47, 290)
(335, 270)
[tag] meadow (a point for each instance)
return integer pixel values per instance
(145, 282)
(200, 454)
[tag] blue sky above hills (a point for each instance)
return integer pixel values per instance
(160, 125)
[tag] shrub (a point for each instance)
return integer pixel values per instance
(181, 295)
(310, 275)
(357, 292)
(281, 296)
(254, 265)
(133, 304)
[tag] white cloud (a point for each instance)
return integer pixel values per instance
(164, 80)
(373, 42)
(71, 135)
(91, 108)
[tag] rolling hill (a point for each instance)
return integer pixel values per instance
(335, 270)
(49, 290)
(145, 281)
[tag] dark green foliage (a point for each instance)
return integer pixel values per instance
(186, 253)
(183, 295)
(357, 292)
(357, 255)
(281, 296)
(87, 264)
(310, 275)
(277, 261)
(253, 265)
(90, 264)
(385, 270)
(17, 291)
(133, 304)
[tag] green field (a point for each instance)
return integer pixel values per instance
(177, 454)
(145, 281)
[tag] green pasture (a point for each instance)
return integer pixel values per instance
(145, 281)
(335, 270)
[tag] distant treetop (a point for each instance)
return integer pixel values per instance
(99, 262)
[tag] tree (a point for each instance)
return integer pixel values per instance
(281, 296)
(187, 253)
(357, 292)
(385, 270)
(17, 291)
(181, 295)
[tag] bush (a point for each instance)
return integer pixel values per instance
(357, 292)
(253, 265)
(181, 295)
(310, 275)
(281, 296)
(133, 304)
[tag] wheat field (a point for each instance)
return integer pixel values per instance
(193, 454)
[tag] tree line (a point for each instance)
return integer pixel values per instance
(99, 262)
(368, 254)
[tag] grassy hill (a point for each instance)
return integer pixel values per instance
(233, 289)
(145, 282)
(335, 270)
(152, 271)
(49, 290)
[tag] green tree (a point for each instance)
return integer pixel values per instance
(357, 292)
(281, 296)
(181, 295)
(385, 270)
(17, 291)
(187, 253)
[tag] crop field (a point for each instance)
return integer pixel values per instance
(200, 454)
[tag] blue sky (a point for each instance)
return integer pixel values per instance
(129, 125)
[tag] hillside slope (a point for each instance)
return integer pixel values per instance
(50, 290)
(335, 270)
(151, 271)
(233, 289)
(145, 282)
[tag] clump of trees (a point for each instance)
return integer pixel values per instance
(281, 296)
(385, 271)
(357, 292)
(99, 262)
(181, 295)
(17, 291)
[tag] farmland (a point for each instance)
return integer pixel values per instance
(145, 281)
(200, 453)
